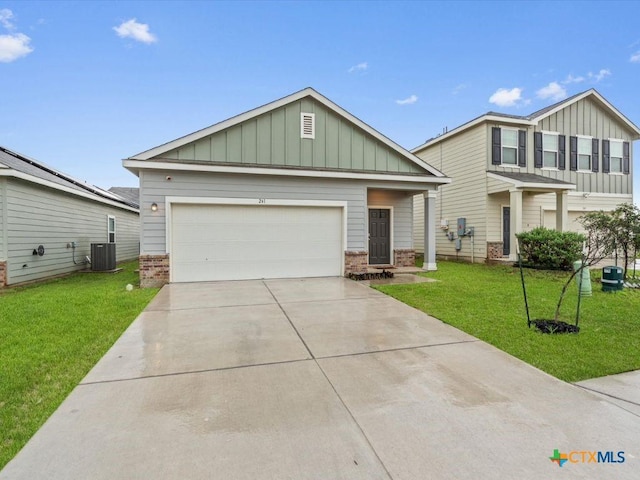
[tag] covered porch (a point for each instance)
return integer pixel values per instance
(389, 231)
(516, 185)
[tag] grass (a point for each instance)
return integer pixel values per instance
(487, 302)
(51, 335)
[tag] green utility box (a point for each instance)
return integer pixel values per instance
(612, 279)
(583, 280)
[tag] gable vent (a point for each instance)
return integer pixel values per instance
(307, 125)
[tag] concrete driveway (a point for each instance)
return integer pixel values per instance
(318, 379)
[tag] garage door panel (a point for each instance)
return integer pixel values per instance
(233, 242)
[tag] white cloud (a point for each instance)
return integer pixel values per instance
(361, 67)
(137, 31)
(554, 91)
(14, 46)
(601, 75)
(571, 79)
(458, 89)
(506, 98)
(5, 18)
(408, 101)
(635, 58)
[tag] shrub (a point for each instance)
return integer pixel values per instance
(550, 249)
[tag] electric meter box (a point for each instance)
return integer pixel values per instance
(462, 227)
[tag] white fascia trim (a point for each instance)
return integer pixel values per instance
(266, 202)
(484, 118)
(55, 186)
(191, 167)
(307, 92)
(520, 185)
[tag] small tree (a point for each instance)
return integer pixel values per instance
(618, 230)
(597, 246)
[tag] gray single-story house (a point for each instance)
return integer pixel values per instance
(48, 221)
(296, 188)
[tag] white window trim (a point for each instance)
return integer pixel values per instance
(307, 120)
(556, 151)
(590, 169)
(621, 142)
(115, 228)
(509, 165)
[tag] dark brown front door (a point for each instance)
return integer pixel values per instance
(379, 241)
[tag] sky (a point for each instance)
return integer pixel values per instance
(86, 84)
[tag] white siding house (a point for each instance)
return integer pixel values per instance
(49, 220)
(296, 188)
(514, 173)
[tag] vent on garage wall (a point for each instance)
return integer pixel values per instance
(307, 125)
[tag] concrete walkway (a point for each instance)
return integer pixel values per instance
(317, 379)
(622, 390)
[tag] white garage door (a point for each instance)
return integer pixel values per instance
(238, 242)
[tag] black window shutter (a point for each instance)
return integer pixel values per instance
(605, 156)
(562, 146)
(537, 149)
(573, 153)
(495, 146)
(625, 157)
(522, 148)
(595, 155)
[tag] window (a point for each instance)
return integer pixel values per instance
(111, 229)
(550, 150)
(615, 156)
(584, 153)
(509, 147)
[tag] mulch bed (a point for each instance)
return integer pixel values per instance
(554, 326)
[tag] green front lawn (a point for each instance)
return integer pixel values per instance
(487, 302)
(51, 335)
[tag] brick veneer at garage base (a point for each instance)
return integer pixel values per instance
(3, 274)
(154, 270)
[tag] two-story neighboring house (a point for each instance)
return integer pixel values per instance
(514, 173)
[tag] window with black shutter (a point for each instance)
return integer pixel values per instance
(595, 156)
(495, 146)
(562, 144)
(625, 158)
(537, 149)
(605, 156)
(573, 153)
(522, 148)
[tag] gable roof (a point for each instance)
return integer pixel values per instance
(149, 155)
(20, 166)
(537, 116)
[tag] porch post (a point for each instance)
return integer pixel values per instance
(430, 231)
(515, 204)
(562, 210)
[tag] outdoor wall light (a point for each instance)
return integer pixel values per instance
(154, 207)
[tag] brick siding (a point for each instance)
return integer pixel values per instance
(355, 262)
(404, 257)
(154, 270)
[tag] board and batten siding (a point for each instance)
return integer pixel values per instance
(463, 158)
(273, 139)
(587, 118)
(38, 215)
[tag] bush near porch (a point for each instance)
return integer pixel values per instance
(486, 301)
